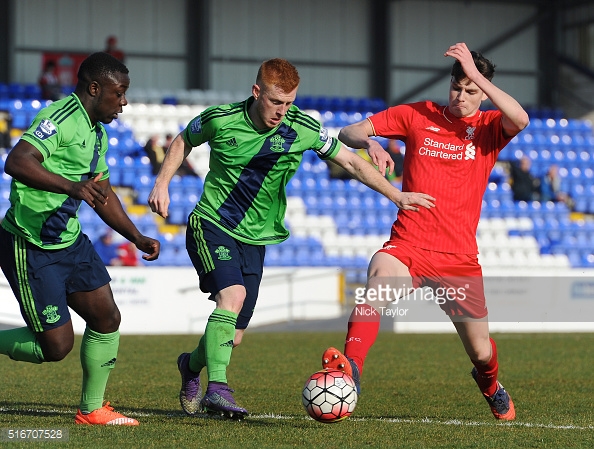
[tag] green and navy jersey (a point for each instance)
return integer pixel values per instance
(72, 147)
(244, 190)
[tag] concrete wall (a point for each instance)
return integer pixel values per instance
(168, 301)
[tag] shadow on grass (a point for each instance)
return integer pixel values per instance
(51, 409)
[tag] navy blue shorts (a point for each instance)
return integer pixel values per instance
(42, 279)
(222, 261)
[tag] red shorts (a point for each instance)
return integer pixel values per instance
(444, 272)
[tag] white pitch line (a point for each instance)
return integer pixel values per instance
(445, 422)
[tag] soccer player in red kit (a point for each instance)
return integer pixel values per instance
(450, 152)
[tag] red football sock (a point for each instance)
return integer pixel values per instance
(364, 324)
(487, 372)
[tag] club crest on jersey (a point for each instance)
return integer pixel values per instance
(276, 143)
(323, 134)
(196, 127)
(470, 132)
(45, 129)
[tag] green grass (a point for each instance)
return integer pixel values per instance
(417, 393)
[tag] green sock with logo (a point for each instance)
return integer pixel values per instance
(198, 356)
(219, 334)
(98, 354)
(21, 344)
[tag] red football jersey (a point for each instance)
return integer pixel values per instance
(448, 158)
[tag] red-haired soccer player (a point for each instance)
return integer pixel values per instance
(256, 146)
(450, 151)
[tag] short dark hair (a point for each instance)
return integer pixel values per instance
(98, 66)
(484, 66)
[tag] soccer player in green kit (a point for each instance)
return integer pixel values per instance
(51, 266)
(256, 147)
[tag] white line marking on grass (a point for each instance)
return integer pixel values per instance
(457, 422)
(442, 422)
(448, 422)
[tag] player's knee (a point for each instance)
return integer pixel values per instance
(56, 351)
(116, 319)
(231, 298)
(480, 355)
(106, 323)
(112, 322)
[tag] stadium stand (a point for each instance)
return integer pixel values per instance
(330, 219)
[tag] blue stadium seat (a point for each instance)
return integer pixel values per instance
(16, 91)
(294, 187)
(273, 256)
(167, 257)
(178, 214)
(32, 91)
(351, 104)
(4, 91)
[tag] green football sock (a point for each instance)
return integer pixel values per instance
(219, 334)
(198, 356)
(21, 344)
(98, 354)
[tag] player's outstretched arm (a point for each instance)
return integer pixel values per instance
(366, 173)
(158, 199)
(358, 135)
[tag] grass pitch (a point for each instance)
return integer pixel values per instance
(417, 392)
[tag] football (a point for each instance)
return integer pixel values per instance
(329, 396)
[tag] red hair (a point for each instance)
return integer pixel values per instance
(280, 73)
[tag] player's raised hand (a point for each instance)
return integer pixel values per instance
(412, 201)
(89, 191)
(461, 52)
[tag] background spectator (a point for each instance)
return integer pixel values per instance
(550, 187)
(49, 82)
(155, 153)
(107, 249)
(111, 47)
(525, 186)
(128, 257)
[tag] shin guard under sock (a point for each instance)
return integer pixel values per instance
(198, 356)
(487, 372)
(363, 328)
(219, 334)
(98, 354)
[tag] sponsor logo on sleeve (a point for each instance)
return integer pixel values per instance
(327, 140)
(45, 129)
(196, 127)
(327, 147)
